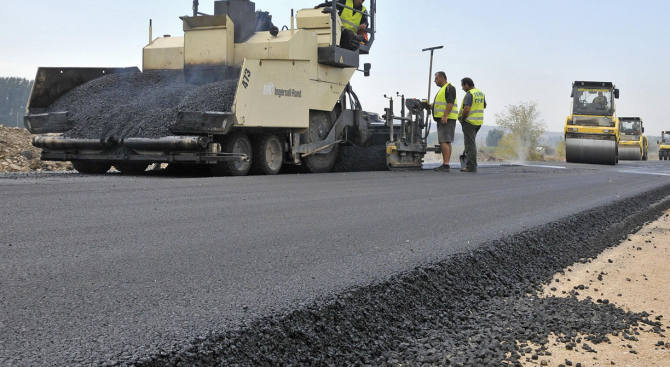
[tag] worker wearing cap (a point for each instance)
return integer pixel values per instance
(353, 22)
(471, 117)
(445, 113)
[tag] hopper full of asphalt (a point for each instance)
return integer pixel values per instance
(138, 105)
(468, 310)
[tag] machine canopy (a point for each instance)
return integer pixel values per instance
(597, 101)
(665, 137)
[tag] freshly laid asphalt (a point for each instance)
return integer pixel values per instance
(113, 267)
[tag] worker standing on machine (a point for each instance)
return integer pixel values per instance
(445, 113)
(353, 22)
(471, 117)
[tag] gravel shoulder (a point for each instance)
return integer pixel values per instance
(632, 276)
(17, 154)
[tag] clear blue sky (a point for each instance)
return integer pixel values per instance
(515, 51)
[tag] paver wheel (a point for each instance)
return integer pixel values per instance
(320, 124)
(268, 152)
(233, 143)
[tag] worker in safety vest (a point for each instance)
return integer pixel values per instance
(445, 114)
(471, 117)
(353, 23)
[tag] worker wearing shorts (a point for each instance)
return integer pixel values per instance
(445, 113)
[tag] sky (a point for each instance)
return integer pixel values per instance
(515, 51)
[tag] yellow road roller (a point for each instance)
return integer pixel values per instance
(592, 130)
(664, 146)
(633, 144)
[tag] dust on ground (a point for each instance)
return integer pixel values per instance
(17, 154)
(634, 276)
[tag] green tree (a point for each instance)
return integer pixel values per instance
(14, 94)
(494, 137)
(523, 130)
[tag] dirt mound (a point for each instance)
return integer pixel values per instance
(17, 154)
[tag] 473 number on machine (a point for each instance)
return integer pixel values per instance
(246, 78)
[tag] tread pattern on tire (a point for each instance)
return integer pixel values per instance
(258, 163)
(227, 168)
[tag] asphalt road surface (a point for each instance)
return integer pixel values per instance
(113, 267)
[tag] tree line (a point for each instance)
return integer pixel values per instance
(14, 94)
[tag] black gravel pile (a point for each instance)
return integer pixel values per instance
(142, 105)
(354, 159)
(468, 310)
(462, 338)
(217, 96)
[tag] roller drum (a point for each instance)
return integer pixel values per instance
(591, 151)
(630, 153)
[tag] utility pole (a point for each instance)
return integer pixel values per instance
(430, 72)
(430, 78)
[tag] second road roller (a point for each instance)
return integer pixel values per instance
(592, 130)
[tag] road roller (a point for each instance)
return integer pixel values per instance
(592, 130)
(633, 144)
(664, 146)
(291, 103)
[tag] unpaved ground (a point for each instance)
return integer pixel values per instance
(17, 154)
(634, 276)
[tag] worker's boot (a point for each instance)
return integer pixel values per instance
(443, 168)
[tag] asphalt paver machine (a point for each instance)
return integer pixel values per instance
(293, 104)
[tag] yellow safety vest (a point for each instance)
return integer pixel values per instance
(476, 116)
(350, 19)
(440, 105)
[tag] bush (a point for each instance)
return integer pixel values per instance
(560, 149)
(523, 130)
